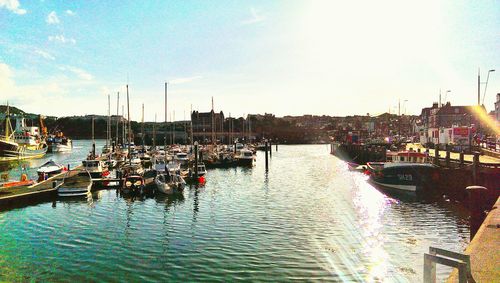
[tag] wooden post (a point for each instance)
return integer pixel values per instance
(461, 158)
(448, 151)
(276, 146)
(476, 208)
(436, 154)
(475, 167)
(267, 161)
(270, 149)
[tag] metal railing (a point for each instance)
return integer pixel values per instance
(448, 258)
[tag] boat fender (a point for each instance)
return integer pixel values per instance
(24, 177)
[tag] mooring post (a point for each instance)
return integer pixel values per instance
(195, 161)
(461, 158)
(475, 167)
(267, 161)
(448, 152)
(476, 203)
(234, 147)
(276, 146)
(270, 149)
(436, 154)
(93, 150)
(69, 168)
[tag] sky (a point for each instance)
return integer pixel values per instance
(294, 57)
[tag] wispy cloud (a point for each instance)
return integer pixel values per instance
(52, 18)
(61, 39)
(82, 74)
(255, 17)
(13, 6)
(44, 54)
(70, 13)
(184, 80)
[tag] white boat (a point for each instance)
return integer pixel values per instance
(75, 184)
(59, 143)
(169, 183)
(182, 158)
(202, 170)
(173, 167)
(245, 157)
(49, 169)
(95, 168)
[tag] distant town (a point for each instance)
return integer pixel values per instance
(440, 123)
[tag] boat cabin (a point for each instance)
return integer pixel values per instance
(407, 156)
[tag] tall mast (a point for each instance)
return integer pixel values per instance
(142, 126)
(128, 117)
(93, 141)
(8, 125)
(123, 125)
(166, 127)
(108, 126)
(154, 134)
(117, 115)
(213, 121)
(173, 128)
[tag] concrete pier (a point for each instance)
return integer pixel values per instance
(483, 250)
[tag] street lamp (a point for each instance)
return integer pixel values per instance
(486, 85)
(446, 96)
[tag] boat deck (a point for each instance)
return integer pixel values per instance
(9, 195)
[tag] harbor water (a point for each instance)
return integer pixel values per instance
(307, 219)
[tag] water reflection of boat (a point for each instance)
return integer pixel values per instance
(170, 199)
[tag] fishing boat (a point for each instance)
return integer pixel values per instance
(59, 143)
(95, 167)
(169, 183)
(75, 184)
(49, 169)
(245, 157)
(406, 171)
(22, 143)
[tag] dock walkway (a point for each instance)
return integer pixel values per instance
(454, 155)
(483, 250)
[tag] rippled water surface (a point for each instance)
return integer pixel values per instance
(308, 219)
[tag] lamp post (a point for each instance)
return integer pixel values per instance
(486, 84)
(446, 96)
(479, 85)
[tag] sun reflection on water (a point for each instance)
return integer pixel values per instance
(370, 205)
